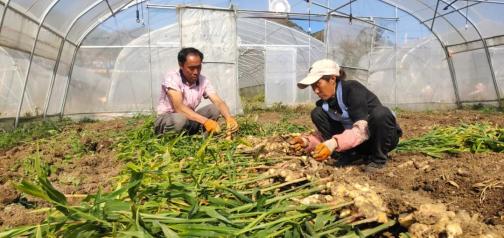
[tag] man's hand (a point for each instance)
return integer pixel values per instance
(298, 144)
(324, 150)
(231, 125)
(211, 126)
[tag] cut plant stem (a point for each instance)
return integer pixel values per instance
(372, 231)
(283, 184)
(272, 200)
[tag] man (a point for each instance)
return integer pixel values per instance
(181, 93)
(350, 119)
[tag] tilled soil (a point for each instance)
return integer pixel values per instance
(473, 183)
(76, 171)
(468, 183)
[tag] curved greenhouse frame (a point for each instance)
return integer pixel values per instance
(63, 57)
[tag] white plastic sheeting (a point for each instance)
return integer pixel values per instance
(127, 78)
(473, 76)
(214, 33)
(418, 62)
(55, 99)
(258, 37)
(11, 81)
(408, 71)
(350, 44)
(497, 54)
(280, 75)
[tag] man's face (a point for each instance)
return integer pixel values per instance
(191, 68)
(325, 89)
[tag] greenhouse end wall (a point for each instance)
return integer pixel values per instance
(102, 53)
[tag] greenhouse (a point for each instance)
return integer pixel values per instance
(92, 57)
(67, 63)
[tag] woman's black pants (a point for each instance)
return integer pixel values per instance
(384, 133)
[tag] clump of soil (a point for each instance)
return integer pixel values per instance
(17, 215)
(78, 169)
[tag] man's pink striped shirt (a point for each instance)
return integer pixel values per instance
(191, 94)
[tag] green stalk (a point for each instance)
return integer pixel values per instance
(284, 219)
(252, 180)
(334, 207)
(272, 200)
(265, 214)
(283, 184)
(277, 233)
(296, 188)
(372, 231)
(331, 231)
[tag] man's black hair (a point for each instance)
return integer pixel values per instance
(184, 52)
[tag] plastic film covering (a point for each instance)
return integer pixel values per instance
(423, 76)
(417, 7)
(214, 33)
(412, 71)
(163, 59)
(307, 48)
(446, 32)
(213, 3)
(495, 41)
(463, 47)
(497, 54)
(33, 8)
(473, 76)
(251, 68)
(56, 97)
(41, 72)
(165, 40)
(95, 15)
(450, 25)
(130, 86)
(12, 63)
(17, 32)
(349, 44)
(487, 17)
(306, 56)
(257, 36)
(381, 77)
(251, 31)
(280, 79)
(251, 62)
(454, 23)
(119, 31)
(131, 73)
(2, 7)
(134, 85)
(90, 83)
(64, 12)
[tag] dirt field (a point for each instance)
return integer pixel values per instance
(85, 160)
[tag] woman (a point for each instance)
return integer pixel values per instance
(350, 119)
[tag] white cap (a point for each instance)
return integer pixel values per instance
(319, 69)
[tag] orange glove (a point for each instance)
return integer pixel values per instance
(298, 144)
(211, 126)
(324, 150)
(231, 125)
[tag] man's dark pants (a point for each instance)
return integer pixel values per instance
(384, 133)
